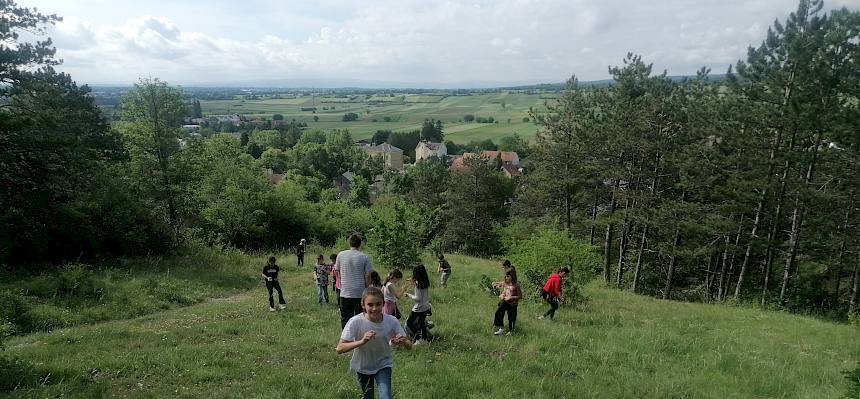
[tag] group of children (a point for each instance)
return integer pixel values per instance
(371, 334)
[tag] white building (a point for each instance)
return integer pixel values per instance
(426, 150)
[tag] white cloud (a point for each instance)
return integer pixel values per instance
(415, 40)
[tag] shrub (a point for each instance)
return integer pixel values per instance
(394, 241)
(546, 251)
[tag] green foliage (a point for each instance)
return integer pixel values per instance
(394, 238)
(546, 251)
(349, 117)
(853, 377)
(468, 118)
(359, 192)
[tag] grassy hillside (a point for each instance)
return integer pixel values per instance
(404, 113)
(618, 345)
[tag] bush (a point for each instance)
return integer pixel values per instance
(76, 282)
(349, 117)
(853, 377)
(395, 241)
(546, 251)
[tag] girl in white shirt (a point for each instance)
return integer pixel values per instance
(370, 335)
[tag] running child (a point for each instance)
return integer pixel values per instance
(445, 269)
(391, 294)
(509, 299)
(270, 276)
(370, 335)
(321, 272)
(417, 320)
(552, 291)
(335, 281)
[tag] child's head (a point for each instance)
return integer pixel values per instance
(332, 257)
(441, 257)
(564, 271)
(320, 259)
(394, 275)
(372, 300)
(375, 280)
(419, 275)
(271, 260)
(511, 276)
(506, 264)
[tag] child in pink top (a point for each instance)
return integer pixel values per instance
(335, 271)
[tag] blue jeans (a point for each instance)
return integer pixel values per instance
(322, 293)
(383, 380)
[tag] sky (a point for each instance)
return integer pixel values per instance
(450, 42)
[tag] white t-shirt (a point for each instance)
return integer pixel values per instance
(386, 292)
(353, 265)
(376, 354)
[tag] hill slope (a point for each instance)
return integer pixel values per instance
(619, 345)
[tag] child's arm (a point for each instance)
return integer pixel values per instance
(393, 290)
(344, 346)
(402, 341)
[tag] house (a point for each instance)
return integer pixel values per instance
(391, 155)
(343, 182)
(426, 150)
(508, 161)
(274, 178)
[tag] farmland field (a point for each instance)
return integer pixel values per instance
(400, 112)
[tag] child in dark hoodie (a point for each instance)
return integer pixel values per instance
(552, 291)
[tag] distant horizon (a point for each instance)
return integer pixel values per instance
(404, 43)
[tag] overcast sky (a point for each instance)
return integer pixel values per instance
(517, 41)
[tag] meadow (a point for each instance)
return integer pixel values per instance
(399, 113)
(617, 345)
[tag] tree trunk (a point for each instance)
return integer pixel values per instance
(639, 257)
(591, 230)
(667, 292)
(723, 269)
(622, 246)
(855, 287)
(607, 243)
(709, 276)
(732, 256)
(797, 216)
(774, 228)
(162, 164)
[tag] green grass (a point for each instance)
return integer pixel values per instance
(618, 345)
(404, 115)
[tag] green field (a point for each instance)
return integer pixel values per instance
(617, 346)
(405, 112)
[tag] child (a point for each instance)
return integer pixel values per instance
(375, 280)
(510, 297)
(417, 320)
(335, 272)
(300, 253)
(321, 272)
(270, 275)
(552, 291)
(371, 334)
(445, 269)
(390, 293)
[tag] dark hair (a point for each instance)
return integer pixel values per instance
(320, 257)
(271, 260)
(419, 274)
(513, 274)
(393, 274)
(332, 257)
(354, 240)
(371, 291)
(375, 280)
(564, 269)
(441, 256)
(506, 263)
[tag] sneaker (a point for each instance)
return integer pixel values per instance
(281, 307)
(501, 331)
(540, 317)
(271, 309)
(420, 342)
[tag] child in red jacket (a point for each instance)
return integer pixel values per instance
(552, 291)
